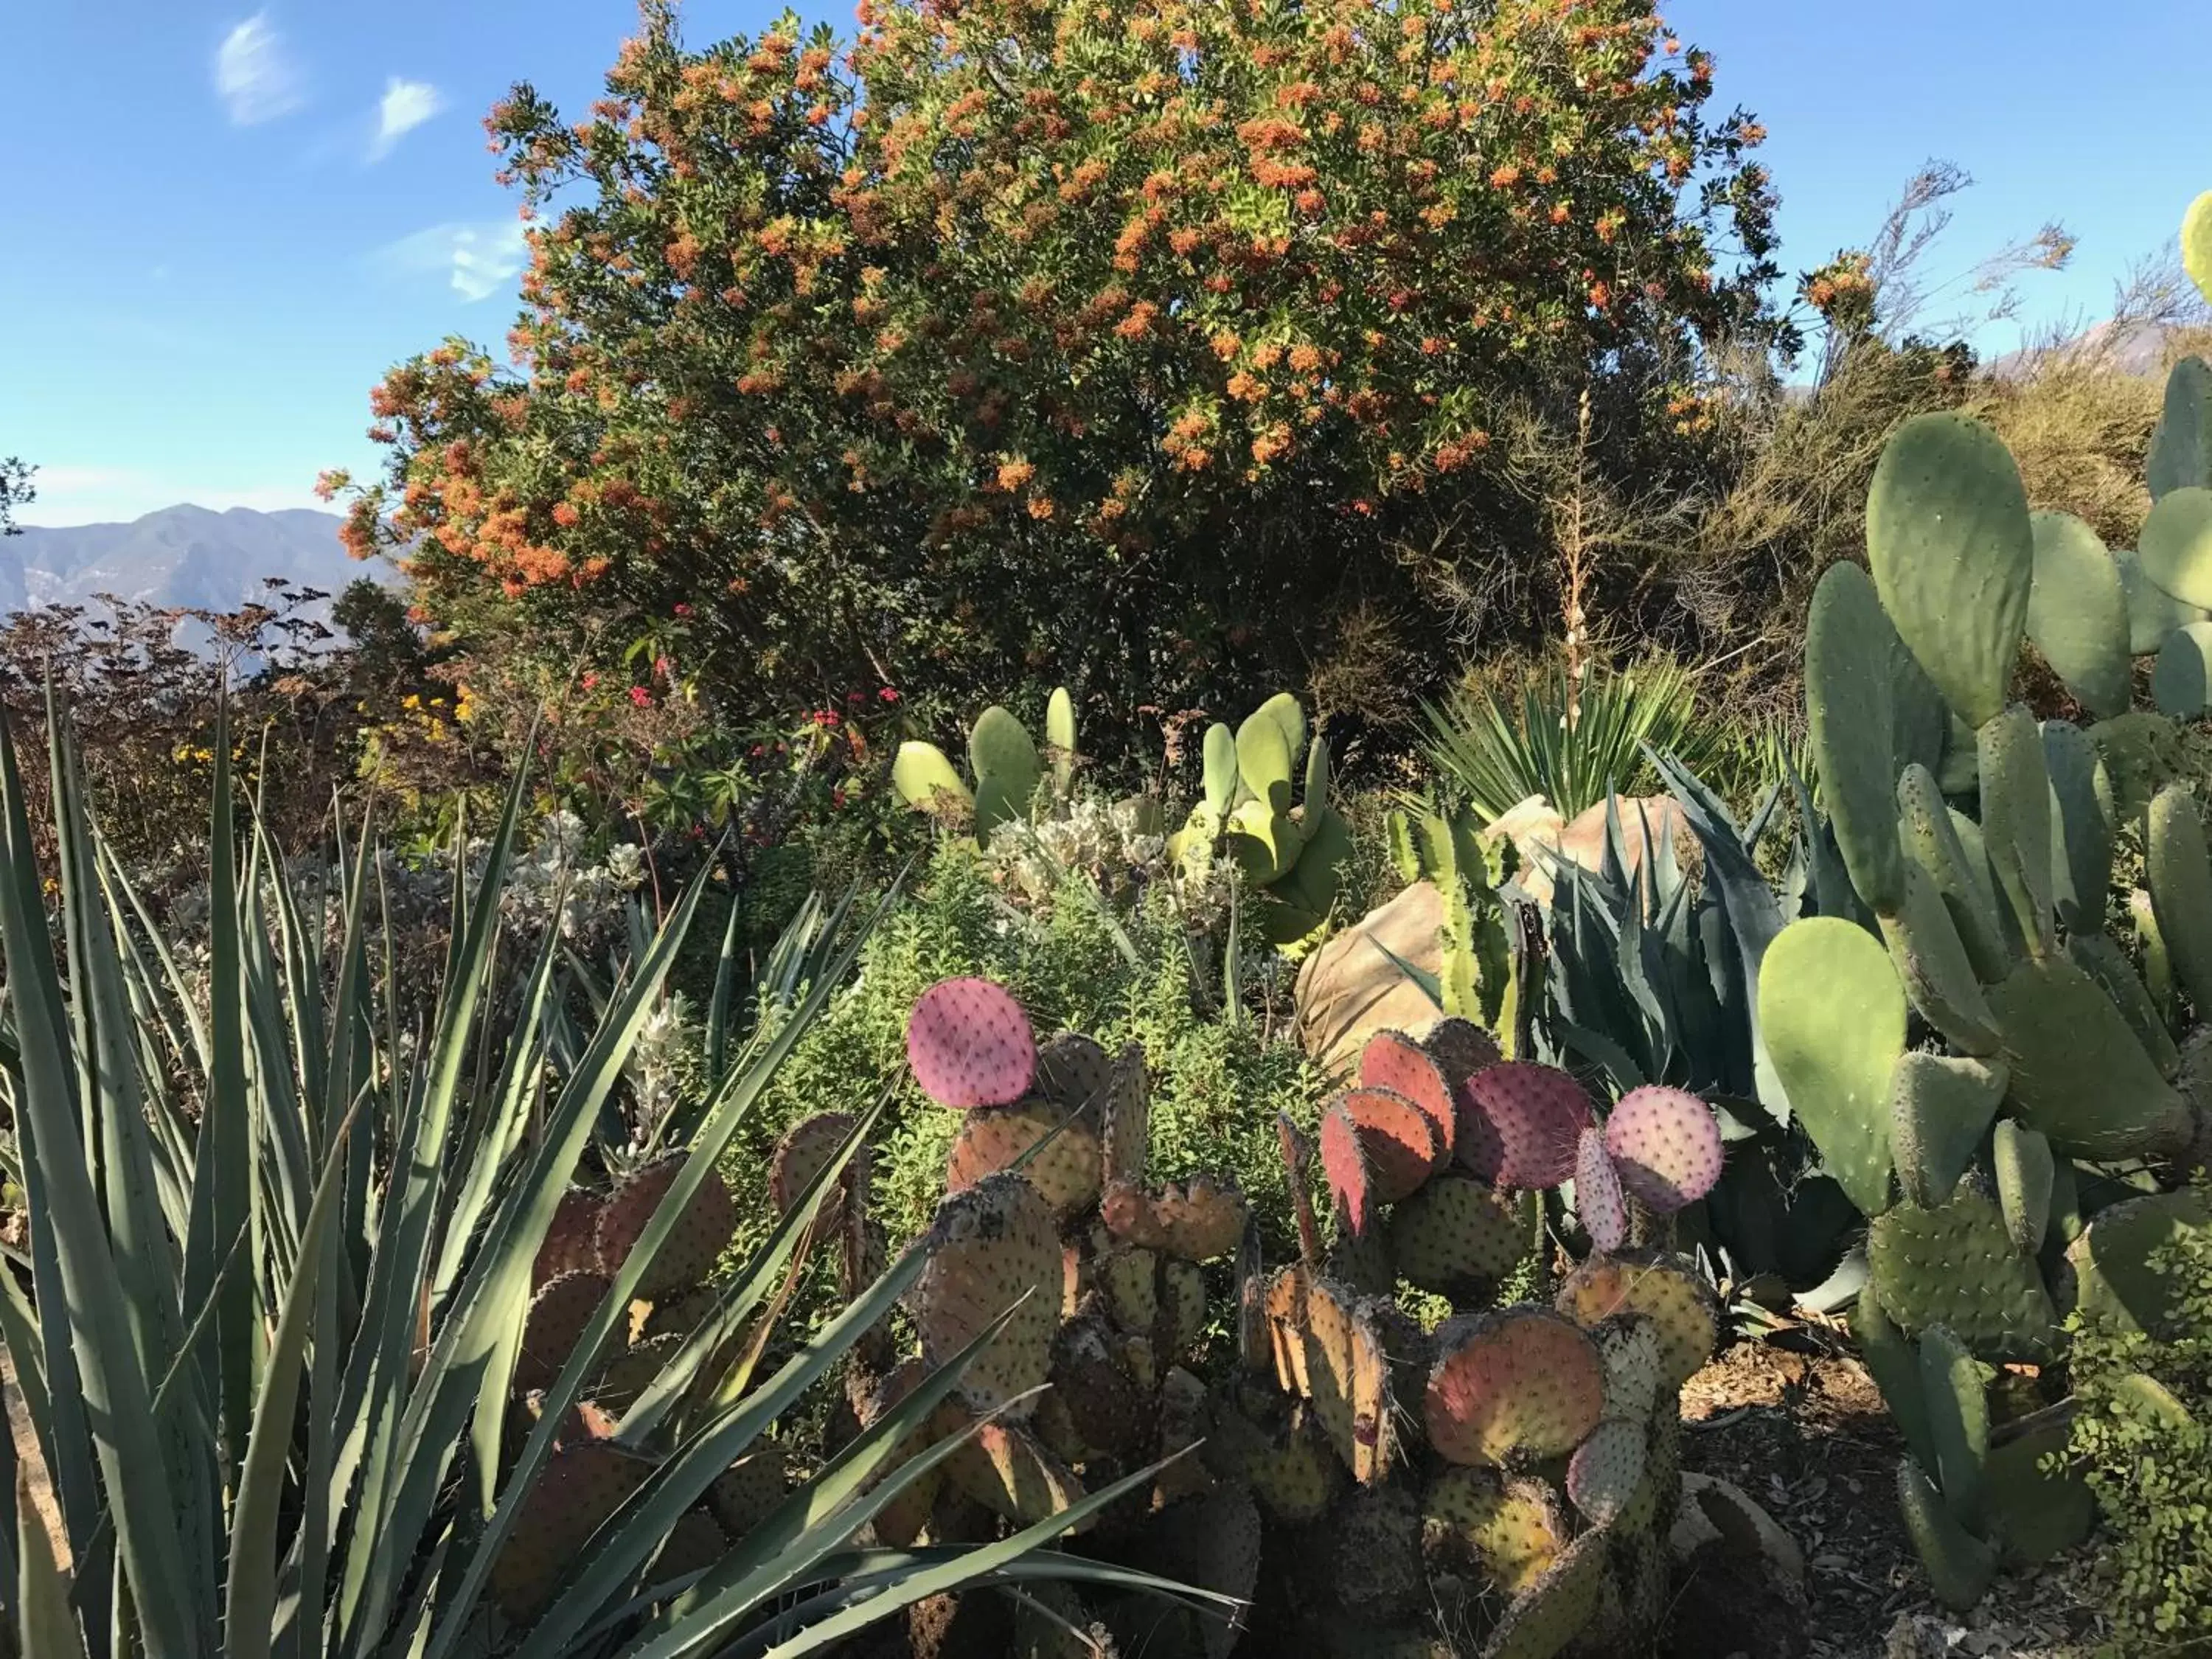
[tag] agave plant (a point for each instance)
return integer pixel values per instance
(1499, 755)
(281, 1263)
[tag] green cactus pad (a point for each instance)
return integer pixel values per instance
(1455, 1234)
(1523, 1383)
(2016, 820)
(1959, 1566)
(1894, 1364)
(2142, 753)
(1212, 1542)
(1182, 1306)
(1264, 762)
(2033, 1511)
(1930, 839)
(2178, 873)
(1392, 1060)
(2153, 613)
(1065, 1170)
(1955, 1266)
(1073, 1072)
(1848, 712)
(2077, 614)
(2116, 1285)
(746, 1494)
(2181, 680)
(1128, 1279)
(2175, 545)
(1953, 552)
(991, 1246)
(1060, 738)
(1106, 1410)
(1005, 1470)
(1663, 1290)
(1931, 960)
(1952, 1383)
(2078, 1073)
(690, 1251)
(1125, 1138)
(558, 1314)
(1507, 1530)
(634, 1369)
(1349, 1374)
(925, 779)
(2082, 828)
(1558, 1606)
(1831, 1012)
(2197, 243)
(2181, 444)
(802, 1153)
(1628, 1347)
(900, 1520)
(2025, 1169)
(1219, 756)
(2149, 1401)
(1198, 1220)
(1940, 1106)
(1003, 756)
(2097, 956)
(583, 1483)
(1606, 1471)
(1281, 1454)
(571, 1241)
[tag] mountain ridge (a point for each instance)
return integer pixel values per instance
(195, 557)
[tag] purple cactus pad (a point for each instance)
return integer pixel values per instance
(1519, 1122)
(1666, 1144)
(971, 1044)
(1597, 1192)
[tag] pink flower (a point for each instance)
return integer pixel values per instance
(640, 696)
(660, 668)
(837, 797)
(590, 681)
(683, 610)
(853, 696)
(888, 695)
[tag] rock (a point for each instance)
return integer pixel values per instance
(1740, 1579)
(1348, 990)
(1540, 836)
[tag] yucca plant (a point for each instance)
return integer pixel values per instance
(1496, 754)
(281, 1256)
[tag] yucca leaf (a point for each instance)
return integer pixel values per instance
(114, 1392)
(718, 1005)
(250, 1587)
(44, 1626)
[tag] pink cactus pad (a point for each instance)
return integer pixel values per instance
(1666, 1144)
(1344, 1163)
(1398, 1138)
(1597, 1192)
(1395, 1061)
(969, 1044)
(1519, 1123)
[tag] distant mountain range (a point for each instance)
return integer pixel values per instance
(182, 555)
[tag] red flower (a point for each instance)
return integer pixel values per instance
(837, 797)
(640, 696)
(683, 610)
(660, 668)
(888, 695)
(590, 681)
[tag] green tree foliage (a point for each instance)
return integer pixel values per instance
(16, 490)
(1141, 339)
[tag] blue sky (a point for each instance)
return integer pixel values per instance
(220, 225)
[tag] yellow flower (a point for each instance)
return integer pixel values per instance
(410, 702)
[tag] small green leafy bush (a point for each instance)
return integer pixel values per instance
(1218, 1080)
(2151, 1466)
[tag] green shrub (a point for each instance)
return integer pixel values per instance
(2143, 1428)
(1121, 977)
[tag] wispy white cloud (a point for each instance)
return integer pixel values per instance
(479, 259)
(255, 75)
(404, 107)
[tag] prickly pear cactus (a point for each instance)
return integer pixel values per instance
(969, 1044)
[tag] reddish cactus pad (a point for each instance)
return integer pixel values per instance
(1598, 1198)
(1461, 1048)
(802, 1154)
(1344, 1163)
(1519, 1124)
(971, 1044)
(1667, 1145)
(1524, 1383)
(1397, 1137)
(1395, 1061)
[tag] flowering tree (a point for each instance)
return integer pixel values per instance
(1133, 341)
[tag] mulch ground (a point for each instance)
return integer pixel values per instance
(1798, 1423)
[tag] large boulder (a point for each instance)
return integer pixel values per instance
(1539, 836)
(1348, 990)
